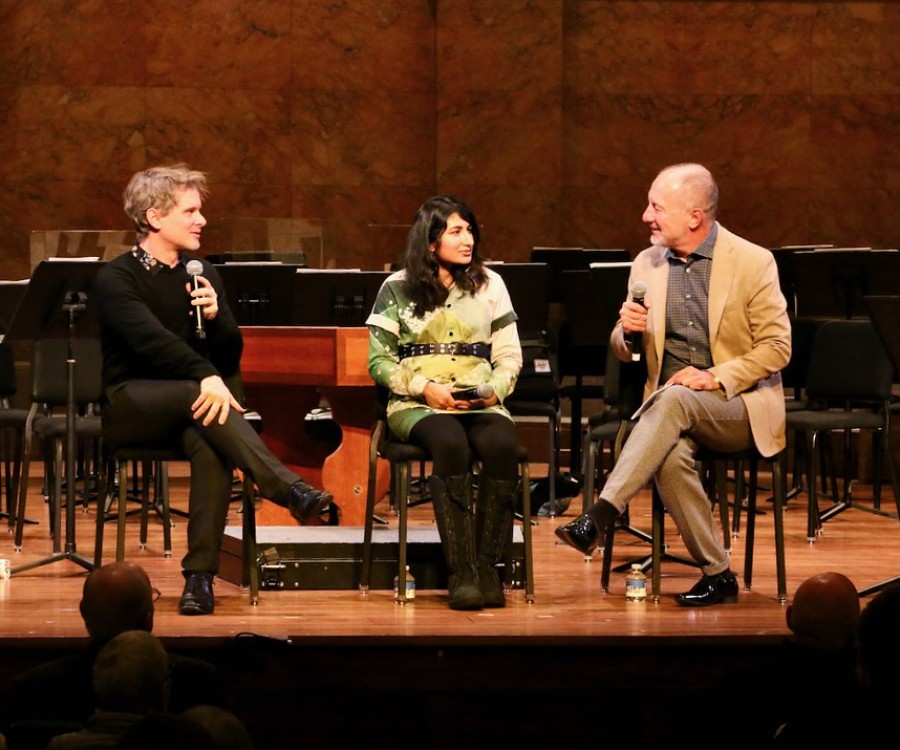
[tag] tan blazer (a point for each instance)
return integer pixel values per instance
(749, 329)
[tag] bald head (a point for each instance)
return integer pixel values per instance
(825, 611)
(694, 185)
(117, 597)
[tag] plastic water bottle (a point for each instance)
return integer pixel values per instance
(636, 584)
(410, 585)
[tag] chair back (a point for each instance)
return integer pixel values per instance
(849, 363)
(7, 374)
(49, 374)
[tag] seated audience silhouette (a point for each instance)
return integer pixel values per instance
(58, 696)
(130, 680)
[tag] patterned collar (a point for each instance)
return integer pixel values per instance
(148, 261)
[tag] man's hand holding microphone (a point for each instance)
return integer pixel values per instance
(633, 315)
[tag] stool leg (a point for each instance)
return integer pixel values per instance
(659, 520)
(248, 538)
(162, 472)
(780, 482)
(123, 515)
(525, 478)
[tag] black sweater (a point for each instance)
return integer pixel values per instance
(147, 324)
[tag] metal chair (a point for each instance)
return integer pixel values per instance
(849, 387)
(402, 456)
(624, 383)
(49, 394)
(12, 433)
(154, 462)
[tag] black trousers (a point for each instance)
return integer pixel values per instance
(157, 413)
(453, 440)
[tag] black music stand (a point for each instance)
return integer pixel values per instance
(885, 314)
(831, 283)
(56, 299)
(573, 259)
(259, 293)
(592, 298)
(334, 297)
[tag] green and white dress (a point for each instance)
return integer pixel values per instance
(487, 317)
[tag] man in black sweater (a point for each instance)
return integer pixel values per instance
(171, 347)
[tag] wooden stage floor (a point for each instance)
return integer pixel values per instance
(572, 642)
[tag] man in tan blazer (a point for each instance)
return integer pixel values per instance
(714, 327)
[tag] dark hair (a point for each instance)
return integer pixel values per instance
(422, 283)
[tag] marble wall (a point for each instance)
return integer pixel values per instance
(550, 117)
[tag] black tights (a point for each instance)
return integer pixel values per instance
(455, 440)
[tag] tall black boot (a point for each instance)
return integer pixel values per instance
(452, 500)
(493, 524)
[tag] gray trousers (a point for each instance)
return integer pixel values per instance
(662, 446)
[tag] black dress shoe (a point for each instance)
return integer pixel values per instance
(717, 589)
(197, 598)
(306, 502)
(580, 534)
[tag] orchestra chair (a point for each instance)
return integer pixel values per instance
(624, 383)
(401, 457)
(624, 387)
(47, 419)
(12, 433)
(537, 391)
(849, 387)
(793, 379)
(154, 462)
(717, 464)
(591, 296)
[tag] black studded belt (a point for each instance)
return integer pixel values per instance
(454, 348)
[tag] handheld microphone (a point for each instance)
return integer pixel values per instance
(486, 390)
(194, 269)
(638, 290)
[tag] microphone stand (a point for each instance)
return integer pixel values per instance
(75, 303)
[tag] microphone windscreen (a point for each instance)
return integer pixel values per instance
(194, 267)
(486, 390)
(638, 290)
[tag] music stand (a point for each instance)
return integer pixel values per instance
(55, 300)
(831, 283)
(339, 297)
(573, 259)
(885, 314)
(591, 297)
(259, 293)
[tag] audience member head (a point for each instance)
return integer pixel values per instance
(167, 731)
(131, 674)
(879, 645)
(824, 612)
(227, 730)
(117, 597)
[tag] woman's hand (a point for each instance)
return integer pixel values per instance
(439, 396)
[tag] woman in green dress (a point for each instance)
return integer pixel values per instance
(443, 341)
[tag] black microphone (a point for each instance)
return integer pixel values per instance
(638, 290)
(486, 390)
(194, 269)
